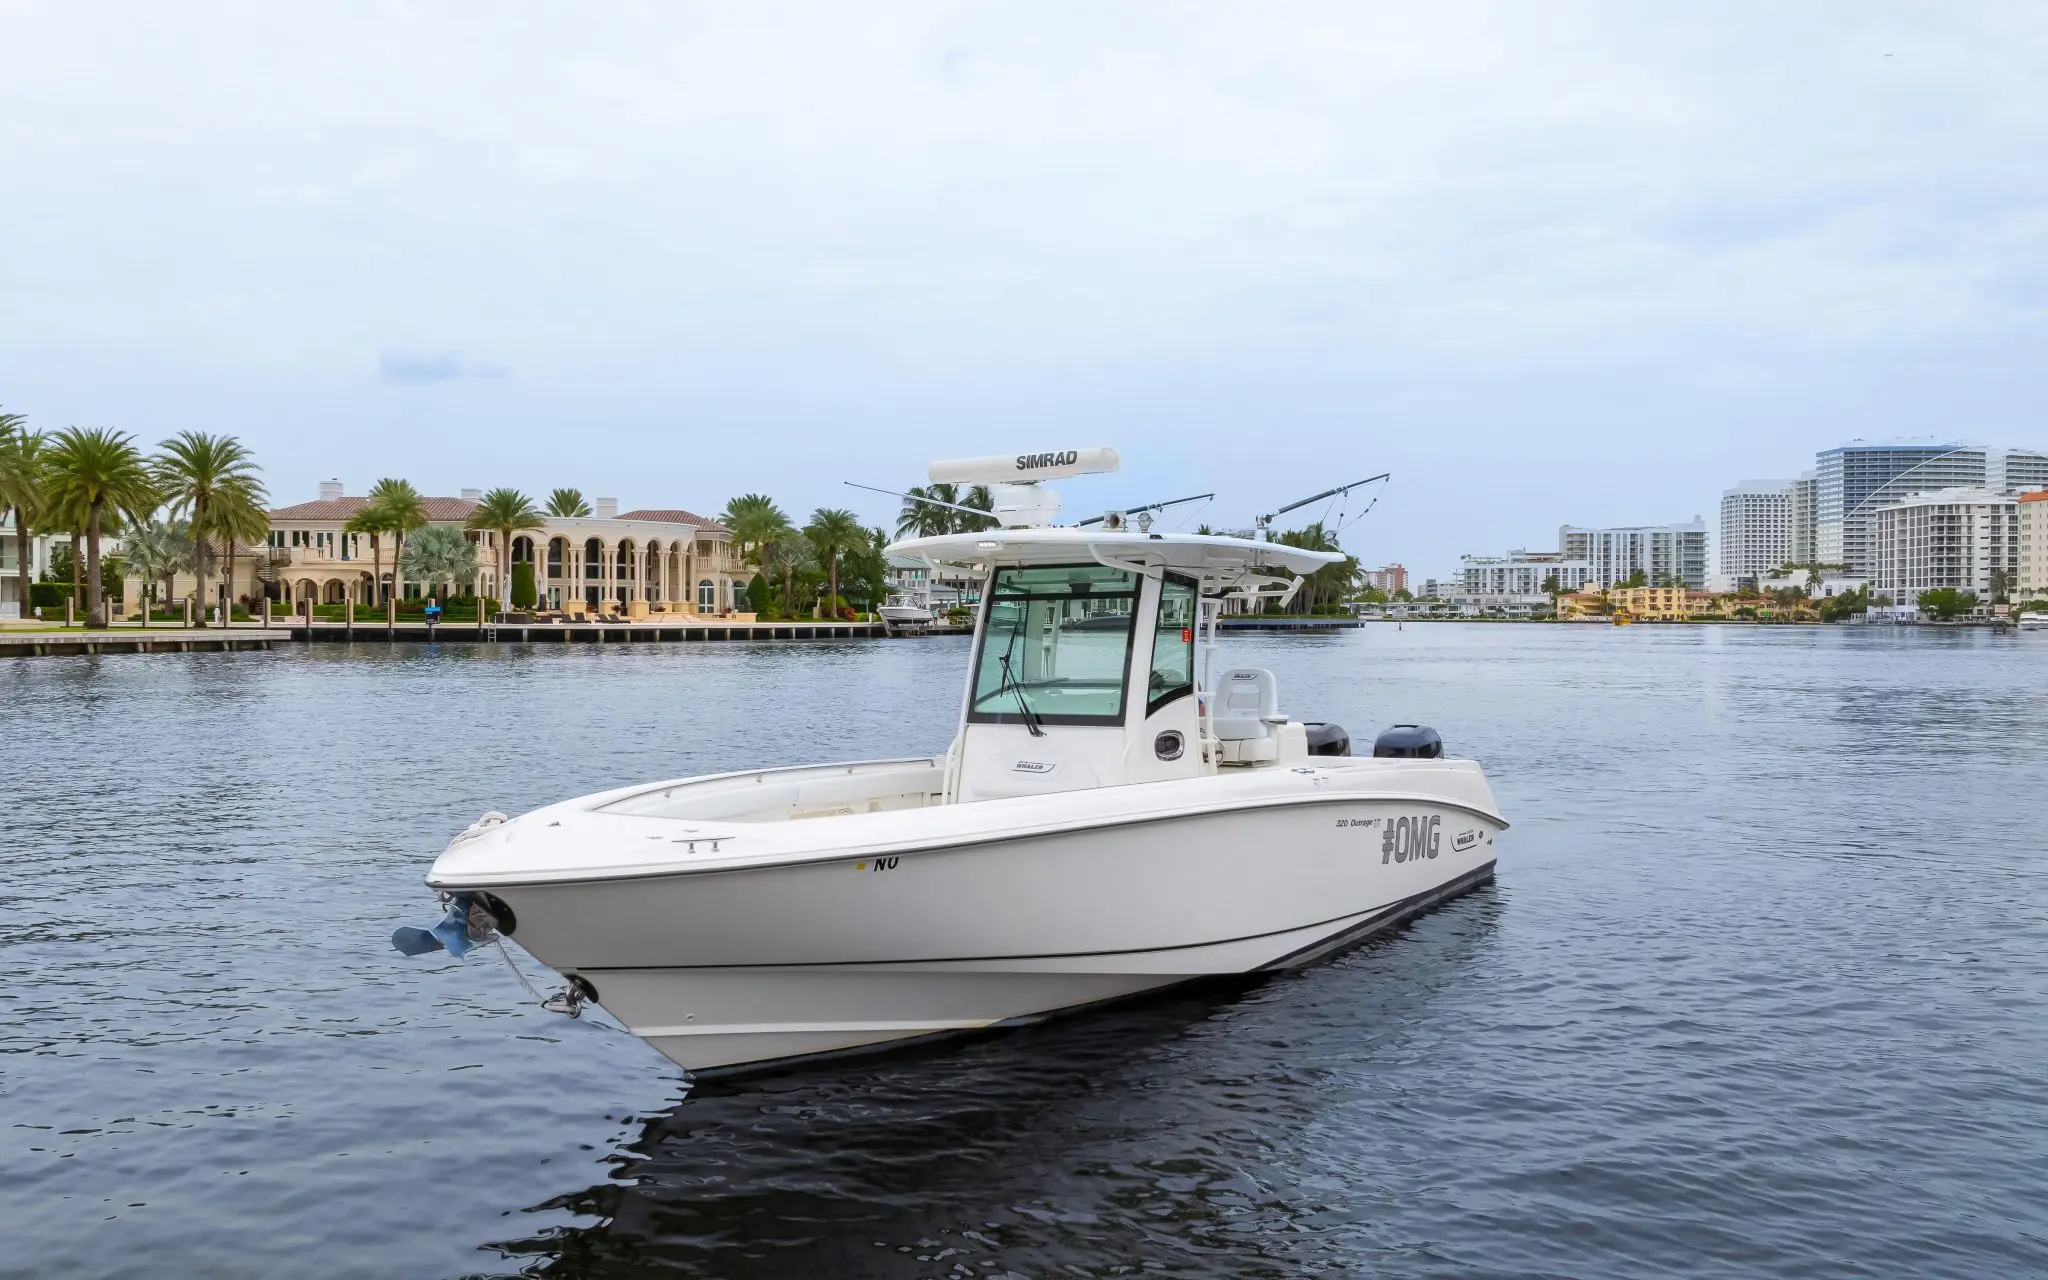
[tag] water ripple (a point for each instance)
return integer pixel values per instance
(1757, 993)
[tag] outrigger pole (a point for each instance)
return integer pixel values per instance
(1265, 522)
(916, 497)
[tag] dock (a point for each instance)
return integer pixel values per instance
(710, 629)
(134, 640)
(1287, 622)
(130, 638)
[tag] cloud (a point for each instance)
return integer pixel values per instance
(425, 370)
(1553, 264)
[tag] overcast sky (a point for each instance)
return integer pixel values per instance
(1547, 263)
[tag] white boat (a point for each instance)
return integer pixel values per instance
(906, 615)
(1112, 817)
(2032, 622)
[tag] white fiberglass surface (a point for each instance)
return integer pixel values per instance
(779, 795)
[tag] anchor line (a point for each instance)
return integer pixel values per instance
(564, 1001)
(513, 965)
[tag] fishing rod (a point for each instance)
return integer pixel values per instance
(1150, 506)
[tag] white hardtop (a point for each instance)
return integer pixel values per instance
(1024, 509)
(1217, 560)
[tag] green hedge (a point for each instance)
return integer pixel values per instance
(523, 593)
(458, 610)
(48, 595)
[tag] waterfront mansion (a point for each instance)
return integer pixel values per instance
(664, 556)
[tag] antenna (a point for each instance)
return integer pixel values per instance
(1024, 468)
(918, 497)
(1265, 522)
(1150, 506)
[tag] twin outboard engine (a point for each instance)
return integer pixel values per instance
(1409, 742)
(1327, 739)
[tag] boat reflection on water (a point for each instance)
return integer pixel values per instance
(1183, 1130)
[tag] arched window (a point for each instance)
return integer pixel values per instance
(624, 570)
(593, 559)
(707, 596)
(522, 550)
(557, 548)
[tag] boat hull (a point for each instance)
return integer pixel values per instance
(723, 1022)
(744, 968)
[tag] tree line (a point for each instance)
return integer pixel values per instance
(176, 508)
(192, 503)
(189, 506)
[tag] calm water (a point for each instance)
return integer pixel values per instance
(1760, 991)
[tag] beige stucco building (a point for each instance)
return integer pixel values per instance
(2033, 557)
(666, 556)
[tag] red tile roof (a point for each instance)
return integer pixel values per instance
(675, 515)
(457, 510)
(2038, 495)
(452, 510)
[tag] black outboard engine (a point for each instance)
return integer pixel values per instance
(1409, 742)
(1327, 739)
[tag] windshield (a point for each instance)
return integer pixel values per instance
(1173, 644)
(1056, 646)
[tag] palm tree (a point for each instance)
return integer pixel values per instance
(98, 471)
(22, 481)
(196, 473)
(1332, 581)
(61, 514)
(929, 510)
(371, 519)
(437, 554)
(404, 511)
(754, 519)
(156, 551)
(919, 518)
(981, 500)
(568, 503)
(505, 512)
(2000, 585)
(832, 531)
(239, 518)
(782, 555)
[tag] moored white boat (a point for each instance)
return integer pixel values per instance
(905, 615)
(1112, 817)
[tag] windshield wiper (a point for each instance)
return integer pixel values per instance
(1010, 683)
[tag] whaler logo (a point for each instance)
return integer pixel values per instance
(1033, 461)
(1465, 840)
(1031, 766)
(1410, 838)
